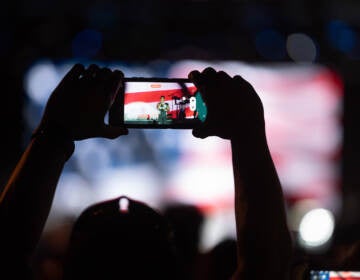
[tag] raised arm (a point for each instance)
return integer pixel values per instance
(235, 112)
(74, 111)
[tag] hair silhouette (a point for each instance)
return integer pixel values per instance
(120, 239)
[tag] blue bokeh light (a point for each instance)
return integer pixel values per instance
(341, 36)
(270, 44)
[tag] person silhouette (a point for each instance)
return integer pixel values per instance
(121, 239)
(186, 221)
(76, 111)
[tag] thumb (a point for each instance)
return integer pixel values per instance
(112, 132)
(206, 130)
(200, 132)
(116, 111)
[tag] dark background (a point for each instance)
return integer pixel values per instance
(141, 31)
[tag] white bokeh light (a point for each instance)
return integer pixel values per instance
(301, 48)
(73, 194)
(139, 183)
(218, 226)
(316, 228)
(124, 204)
(41, 80)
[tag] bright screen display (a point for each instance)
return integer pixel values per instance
(162, 103)
(303, 109)
(334, 275)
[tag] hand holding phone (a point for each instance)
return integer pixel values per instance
(234, 107)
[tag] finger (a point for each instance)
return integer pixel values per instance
(103, 81)
(109, 83)
(209, 74)
(116, 85)
(104, 75)
(92, 71)
(239, 78)
(246, 89)
(194, 76)
(223, 75)
(241, 81)
(209, 71)
(199, 133)
(197, 78)
(73, 74)
(116, 112)
(203, 131)
(205, 78)
(112, 132)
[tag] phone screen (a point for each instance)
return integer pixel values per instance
(334, 275)
(162, 103)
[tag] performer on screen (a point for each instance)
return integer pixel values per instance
(163, 108)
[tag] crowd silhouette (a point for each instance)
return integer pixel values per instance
(123, 238)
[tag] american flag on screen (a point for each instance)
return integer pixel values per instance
(344, 275)
(334, 275)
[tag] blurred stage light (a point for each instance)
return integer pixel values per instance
(270, 44)
(316, 228)
(216, 188)
(134, 70)
(341, 36)
(40, 81)
(124, 204)
(138, 182)
(217, 226)
(87, 43)
(92, 157)
(301, 48)
(73, 195)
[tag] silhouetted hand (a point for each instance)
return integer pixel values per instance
(80, 102)
(234, 108)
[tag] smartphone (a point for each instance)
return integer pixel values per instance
(333, 274)
(162, 103)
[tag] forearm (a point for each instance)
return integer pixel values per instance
(264, 242)
(26, 200)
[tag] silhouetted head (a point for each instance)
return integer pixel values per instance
(223, 259)
(120, 239)
(186, 221)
